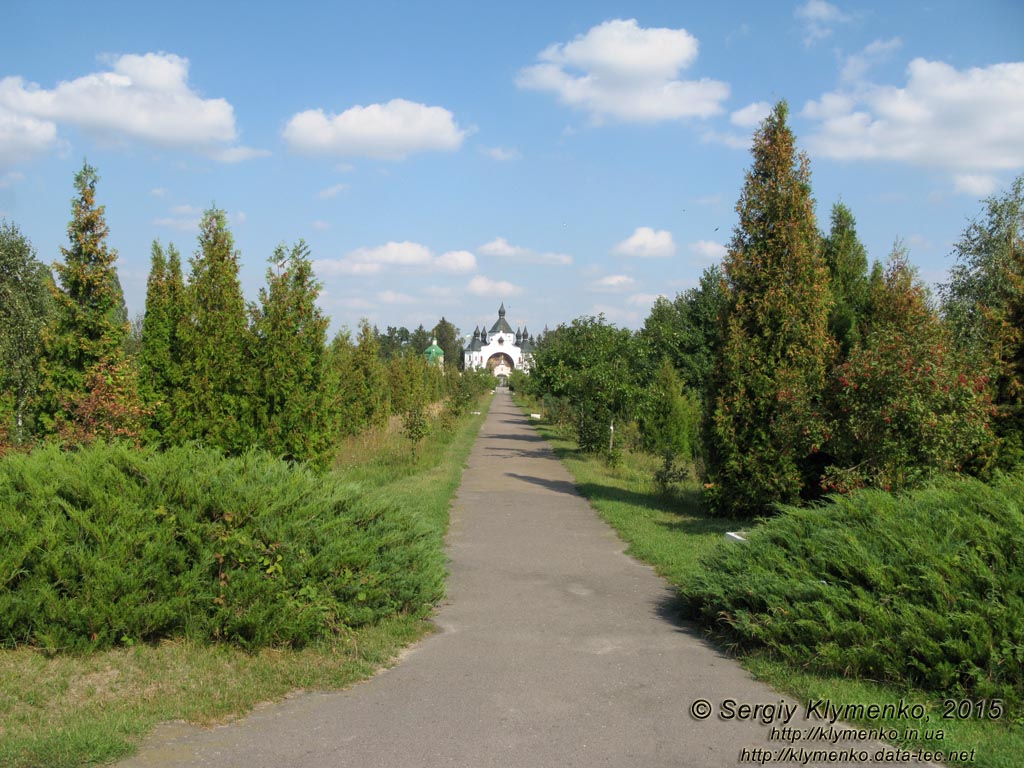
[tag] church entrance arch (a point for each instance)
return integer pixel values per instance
(501, 365)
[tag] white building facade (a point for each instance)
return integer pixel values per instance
(501, 350)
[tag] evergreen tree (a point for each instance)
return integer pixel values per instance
(364, 393)
(847, 262)
(908, 405)
(447, 336)
(984, 305)
(673, 425)
(89, 325)
(767, 420)
(213, 403)
(419, 340)
(158, 332)
(24, 310)
(290, 333)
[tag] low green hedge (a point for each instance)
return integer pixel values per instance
(923, 588)
(112, 544)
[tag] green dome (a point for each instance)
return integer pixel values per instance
(434, 354)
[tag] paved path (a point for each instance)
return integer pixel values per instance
(557, 650)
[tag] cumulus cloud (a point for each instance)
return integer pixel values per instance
(501, 248)
(857, 65)
(975, 184)
(500, 153)
(644, 299)
(391, 131)
(456, 261)
(22, 137)
(394, 297)
(183, 218)
(141, 97)
(613, 283)
(621, 70)
(707, 251)
(332, 191)
(372, 261)
(647, 243)
(484, 286)
(941, 118)
(818, 19)
(10, 178)
(751, 115)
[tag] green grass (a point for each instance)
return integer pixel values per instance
(70, 710)
(671, 533)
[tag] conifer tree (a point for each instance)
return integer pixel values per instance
(24, 310)
(213, 403)
(362, 401)
(89, 324)
(908, 405)
(767, 420)
(847, 262)
(290, 336)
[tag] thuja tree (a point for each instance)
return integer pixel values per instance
(362, 399)
(89, 325)
(213, 404)
(160, 353)
(984, 305)
(24, 309)
(847, 262)
(908, 404)
(289, 366)
(766, 420)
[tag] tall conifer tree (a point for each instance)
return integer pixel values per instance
(291, 333)
(766, 420)
(213, 403)
(89, 323)
(847, 262)
(24, 309)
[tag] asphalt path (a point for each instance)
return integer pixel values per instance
(556, 649)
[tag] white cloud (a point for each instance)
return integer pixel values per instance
(238, 218)
(144, 97)
(975, 184)
(372, 261)
(333, 191)
(942, 118)
(647, 242)
(321, 226)
(10, 178)
(158, 192)
(621, 70)
(392, 131)
(238, 154)
(818, 19)
(186, 210)
(394, 297)
(751, 115)
(484, 286)
(707, 251)
(500, 153)
(643, 299)
(613, 283)
(858, 64)
(21, 136)
(501, 248)
(185, 219)
(456, 261)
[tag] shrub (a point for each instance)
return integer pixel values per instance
(925, 588)
(110, 544)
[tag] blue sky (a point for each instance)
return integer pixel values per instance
(440, 158)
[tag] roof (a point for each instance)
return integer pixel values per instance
(502, 325)
(434, 353)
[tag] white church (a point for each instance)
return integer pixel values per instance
(501, 350)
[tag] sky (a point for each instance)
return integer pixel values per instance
(567, 159)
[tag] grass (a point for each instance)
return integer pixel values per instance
(66, 711)
(671, 533)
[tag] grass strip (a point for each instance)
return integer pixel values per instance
(671, 533)
(72, 710)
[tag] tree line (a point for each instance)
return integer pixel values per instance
(794, 369)
(202, 365)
